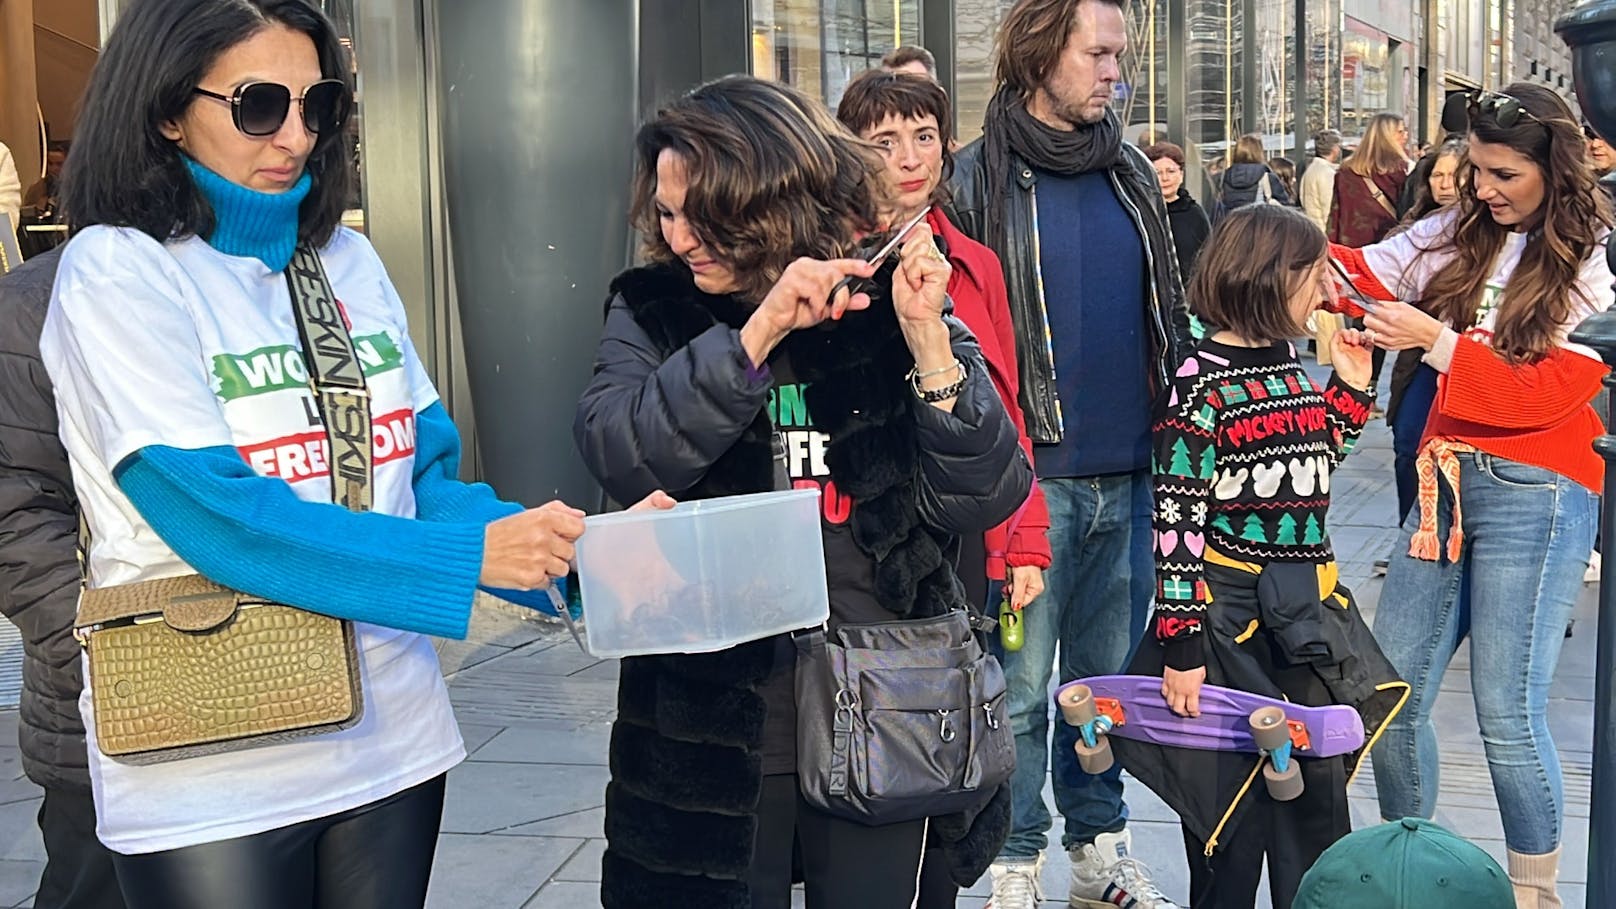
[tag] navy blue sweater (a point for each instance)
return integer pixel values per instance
(1093, 264)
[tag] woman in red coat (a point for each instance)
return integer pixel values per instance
(908, 117)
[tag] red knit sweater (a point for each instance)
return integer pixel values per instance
(1537, 413)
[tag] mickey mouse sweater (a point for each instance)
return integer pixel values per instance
(1245, 442)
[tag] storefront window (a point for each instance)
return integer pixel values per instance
(976, 26)
(1141, 96)
(1213, 74)
(1324, 68)
(818, 46)
(1363, 76)
(341, 14)
(1276, 76)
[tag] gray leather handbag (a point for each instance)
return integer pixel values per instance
(900, 720)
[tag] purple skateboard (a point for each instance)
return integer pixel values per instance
(1132, 706)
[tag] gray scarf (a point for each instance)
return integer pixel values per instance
(1008, 127)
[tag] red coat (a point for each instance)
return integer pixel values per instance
(982, 303)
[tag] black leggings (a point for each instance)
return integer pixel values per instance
(845, 865)
(377, 856)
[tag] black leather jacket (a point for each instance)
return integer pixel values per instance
(1134, 179)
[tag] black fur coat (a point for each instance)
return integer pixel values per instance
(675, 405)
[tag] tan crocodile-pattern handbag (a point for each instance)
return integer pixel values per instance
(182, 667)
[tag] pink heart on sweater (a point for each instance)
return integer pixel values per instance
(1195, 543)
(1167, 542)
(1190, 367)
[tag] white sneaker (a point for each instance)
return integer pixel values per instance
(1015, 884)
(1591, 576)
(1105, 875)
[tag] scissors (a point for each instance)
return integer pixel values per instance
(565, 611)
(1364, 302)
(853, 283)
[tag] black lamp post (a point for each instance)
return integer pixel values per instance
(1590, 31)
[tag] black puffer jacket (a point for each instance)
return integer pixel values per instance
(39, 569)
(674, 405)
(1133, 178)
(1243, 184)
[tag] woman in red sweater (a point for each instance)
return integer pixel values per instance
(1508, 475)
(908, 117)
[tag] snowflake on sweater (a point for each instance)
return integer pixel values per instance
(1170, 512)
(1198, 511)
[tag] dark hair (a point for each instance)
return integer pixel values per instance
(905, 54)
(1285, 170)
(1249, 268)
(877, 94)
(771, 175)
(1169, 150)
(1537, 300)
(1031, 39)
(1424, 201)
(1326, 141)
(124, 172)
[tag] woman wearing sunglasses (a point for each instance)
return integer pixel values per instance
(733, 363)
(1508, 477)
(211, 146)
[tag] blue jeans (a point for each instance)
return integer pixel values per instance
(1095, 604)
(1527, 535)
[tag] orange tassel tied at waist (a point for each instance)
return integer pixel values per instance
(1438, 456)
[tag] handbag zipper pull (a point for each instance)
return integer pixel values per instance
(945, 728)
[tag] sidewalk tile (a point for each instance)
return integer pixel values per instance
(491, 872)
(489, 798)
(566, 895)
(549, 743)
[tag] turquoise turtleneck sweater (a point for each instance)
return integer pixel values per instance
(249, 223)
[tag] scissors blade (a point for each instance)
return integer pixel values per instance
(897, 238)
(1341, 272)
(565, 611)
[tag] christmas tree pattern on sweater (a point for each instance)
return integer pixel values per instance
(1245, 443)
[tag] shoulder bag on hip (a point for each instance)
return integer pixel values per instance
(900, 720)
(183, 667)
(1379, 196)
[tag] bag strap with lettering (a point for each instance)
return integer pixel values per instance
(337, 378)
(1374, 190)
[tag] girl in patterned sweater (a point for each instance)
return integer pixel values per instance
(1246, 582)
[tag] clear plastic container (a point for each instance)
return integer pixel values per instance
(704, 575)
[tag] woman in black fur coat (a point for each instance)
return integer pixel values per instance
(751, 198)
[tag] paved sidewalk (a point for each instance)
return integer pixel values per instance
(523, 822)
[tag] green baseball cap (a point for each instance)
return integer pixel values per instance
(1406, 864)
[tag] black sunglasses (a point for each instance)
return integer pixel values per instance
(260, 108)
(1461, 110)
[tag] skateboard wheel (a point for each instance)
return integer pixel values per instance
(1283, 787)
(1268, 727)
(1097, 759)
(1077, 705)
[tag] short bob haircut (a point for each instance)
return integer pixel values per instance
(1031, 39)
(123, 172)
(877, 94)
(1249, 268)
(771, 177)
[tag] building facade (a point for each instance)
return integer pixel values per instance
(502, 213)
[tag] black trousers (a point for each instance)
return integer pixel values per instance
(845, 865)
(377, 856)
(78, 869)
(1291, 835)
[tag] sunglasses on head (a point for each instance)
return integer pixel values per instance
(1461, 111)
(260, 108)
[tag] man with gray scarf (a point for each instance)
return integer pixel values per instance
(1077, 219)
